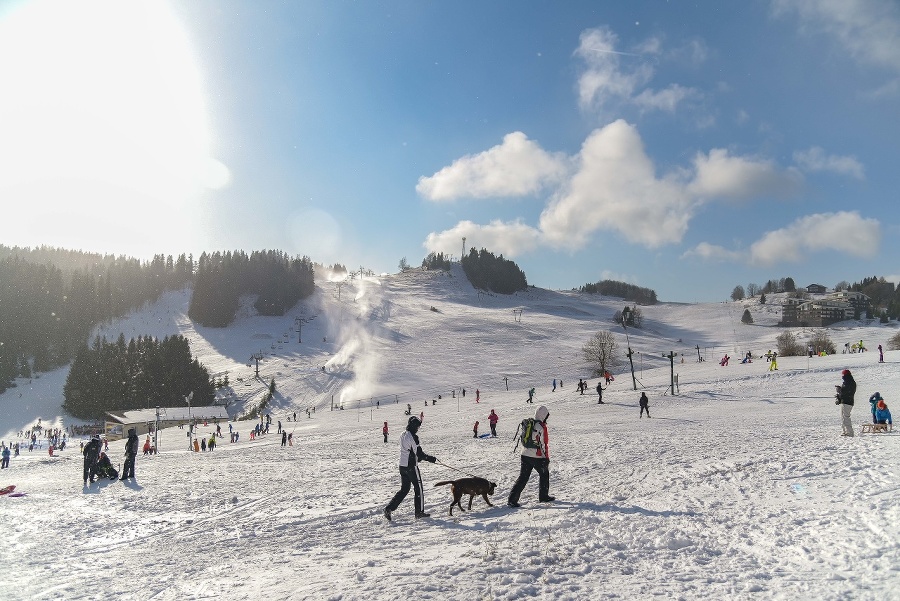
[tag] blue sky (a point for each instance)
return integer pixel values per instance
(683, 147)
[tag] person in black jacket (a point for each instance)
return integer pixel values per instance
(844, 398)
(410, 454)
(131, 449)
(91, 454)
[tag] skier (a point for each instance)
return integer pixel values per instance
(131, 449)
(600, 393)
(536, 457)
(410, 454)
(644, 402)
(492, 419)
(91, 454)
(844, 397)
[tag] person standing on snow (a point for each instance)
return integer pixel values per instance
(535, 456)
(880, 354)
(131, 449)
(410, 455)
(600, 393)
(91, 455)
(475, 430)
(773, 366)
(493, 418)
(284, 438)
(844, 397)
(644, 402)
(384, 431)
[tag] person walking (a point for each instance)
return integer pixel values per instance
(530, 395)
(477, 396)
(844, 397)
(554, 385)
(384, 431)
(600, 393)
(644, 402)
(410, 455)
(535, 456)
(131, 449)
(493, 418)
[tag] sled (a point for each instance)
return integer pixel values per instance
(16, 494)
(873, 428)
(7, 489)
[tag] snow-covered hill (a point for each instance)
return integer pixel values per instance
(739, 486)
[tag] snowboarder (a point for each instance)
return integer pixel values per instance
(600, 393)
(844, 396)
(91, 454)
(131, 448)
(493, 418)
(644, 402)
(410, 454)
(535, 456)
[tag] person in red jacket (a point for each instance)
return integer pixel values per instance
(535, 456)
(492, 419)
(384, 431)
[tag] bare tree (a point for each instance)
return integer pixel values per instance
(601, 351)
(752, 289)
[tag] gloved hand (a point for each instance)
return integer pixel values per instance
(431, 458)
(837, 402)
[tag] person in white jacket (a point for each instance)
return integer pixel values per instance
(535, 456)
(410, 455)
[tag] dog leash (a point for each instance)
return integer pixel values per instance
(455, 469)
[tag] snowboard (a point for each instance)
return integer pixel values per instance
(7, 489)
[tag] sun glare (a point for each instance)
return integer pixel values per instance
(104, 135)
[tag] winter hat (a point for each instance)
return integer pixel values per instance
(882, 404)
(846, 372)
(413, 424)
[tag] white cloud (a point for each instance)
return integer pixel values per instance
(616, 188)
(720, 175)
(516, 167)
(712, 252)
(611, 75)
(815, 159)
(508, 238)
(868, 29)
(844, 232)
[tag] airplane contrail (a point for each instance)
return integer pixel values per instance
(613, 52)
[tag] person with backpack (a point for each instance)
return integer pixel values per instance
(534, 437)
(410, 455)
(131, 449)
(91, 455)
(530, 396)
(844, 397)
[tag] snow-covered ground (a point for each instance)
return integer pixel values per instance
(739, 486)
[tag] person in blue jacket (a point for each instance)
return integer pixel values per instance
(873, 401)
(883, 414)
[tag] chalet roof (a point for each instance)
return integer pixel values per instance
(137, 416)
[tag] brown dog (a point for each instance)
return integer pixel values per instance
(471, 487)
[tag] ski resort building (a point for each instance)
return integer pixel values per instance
(143, 421)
